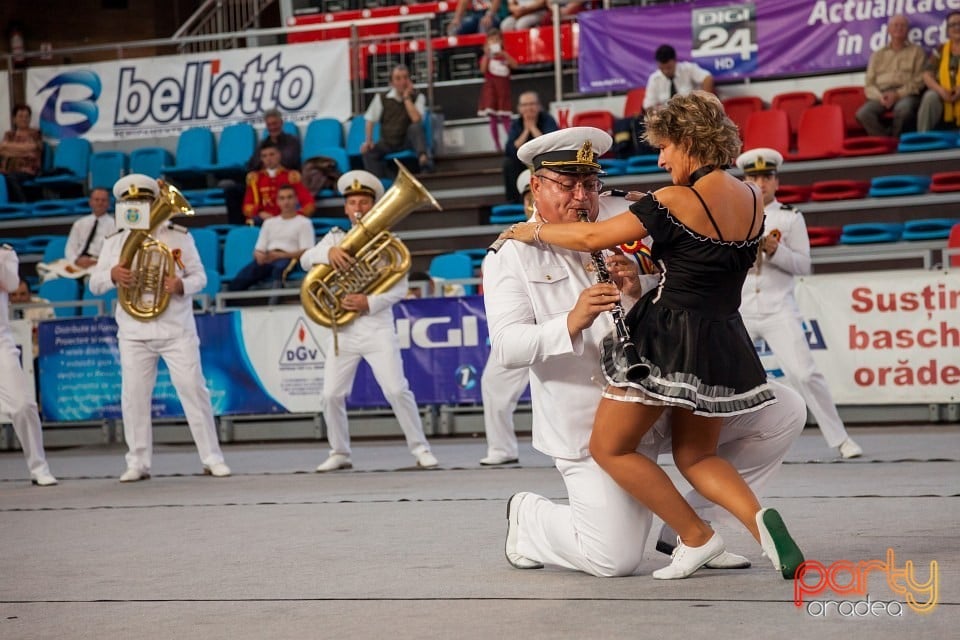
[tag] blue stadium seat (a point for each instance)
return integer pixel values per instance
(927, 141)
(90, 310)
(55, 249)
(356, 135)
(150, 161)
(338, 154)
(51, 208)
(238, 250)
(208, 246)
(322, 225)
(234, 149)
(14, 211)
(71, 162)
(928, 228)
(106, 167)
(214, 284)
(38, 243)
(614, 166)
(61, 290)
(507, 214)
(4, 194)
(643, 164)
(452, 266)
(321, 133)
(899, 185)
(195, 153)
(871, 232)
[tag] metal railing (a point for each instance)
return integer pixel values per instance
(219, 16)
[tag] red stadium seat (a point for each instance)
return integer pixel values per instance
(794, 193)
(839, 190)
(824, 236)
(768, 128)
(945, 181)
(820, 134)
(868, 146)
(634, 103)
(953, 242)
(739, 108)
(598, 118)
(849, 99)
(794, 103)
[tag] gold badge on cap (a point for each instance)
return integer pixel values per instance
(585, 154)
(760, 163)
(356, 186)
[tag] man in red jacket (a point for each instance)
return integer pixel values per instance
(260, 199)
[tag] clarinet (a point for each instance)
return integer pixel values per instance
(635, 370)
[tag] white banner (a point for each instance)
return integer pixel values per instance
(156, 97)
(884, 337)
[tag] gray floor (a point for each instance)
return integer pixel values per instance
(277, 551)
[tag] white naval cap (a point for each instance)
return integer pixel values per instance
(136, 185)
(573, 150)
(360, 182)
(523, 182)
(760, 160)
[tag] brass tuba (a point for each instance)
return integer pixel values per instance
(381, 259)
(149, 259)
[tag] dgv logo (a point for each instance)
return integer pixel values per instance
(71, 108)
(301, 347)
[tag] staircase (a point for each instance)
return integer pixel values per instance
(221, 16)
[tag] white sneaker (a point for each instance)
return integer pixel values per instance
(725, 560)
(133, 474)
(217, 470)
(43, 479)
(494, 460)
(516, 560)
(334, 462)
(850, 449)
(426, 460)
(686, 560)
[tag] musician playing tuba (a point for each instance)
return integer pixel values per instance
(370, 336)
(155, 318)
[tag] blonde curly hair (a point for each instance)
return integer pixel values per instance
(696, 123)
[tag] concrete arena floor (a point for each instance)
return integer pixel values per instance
(385, 551)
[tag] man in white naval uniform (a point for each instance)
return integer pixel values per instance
(371, 336)
(15, 395)
(501, 388)
(768, 306)
(546, 312)
(172, 335)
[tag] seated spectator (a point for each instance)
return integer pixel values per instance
(893, 83)
(524, 14)
(85, 240)
(532, 122)
(400, 112)
(674, 78)
(21, 152)
(260, 199)
(281, 240)
(476, 16)
(940, 105)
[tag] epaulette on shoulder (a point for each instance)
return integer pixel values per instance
(117, 232)
(5, 247)
(177, 227)
(293, 176)
(252, 176)
(787, 207)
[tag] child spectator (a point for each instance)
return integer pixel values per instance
(495, 100)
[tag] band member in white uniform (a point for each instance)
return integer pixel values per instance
(768, 306)
(172, 335)
(15, 396)
(546, 311)
(501, 387)
(371, 337)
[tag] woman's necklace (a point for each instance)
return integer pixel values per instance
(699, 173)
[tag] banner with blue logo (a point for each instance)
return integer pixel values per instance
(745, 39)
(163, 95)
(265, 361)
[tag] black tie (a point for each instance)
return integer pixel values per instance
(673, 88)
(93, 232)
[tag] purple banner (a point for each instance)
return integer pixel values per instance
(735, 40)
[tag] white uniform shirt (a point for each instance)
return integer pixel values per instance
(285, 234)
(686, 78)
(177, 321)
(380, 316)
(375, 110)
(80, 230)
(9, 281)
(769, 288)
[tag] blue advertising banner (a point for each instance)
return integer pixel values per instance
(747, 39)
(266, 361)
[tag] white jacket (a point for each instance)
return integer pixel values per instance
(769, 285)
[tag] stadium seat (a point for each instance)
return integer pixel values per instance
(953, 243)
(356, 135)
(106, 167)
(289, 128)
(52, 208)
(14, 211)
(61, 290)
(868, 146)
(849, 99)
(339, 154)
(945, 181)
(793, 193)
(613, 166)
(871, 232)
(633, 105)
(452, 266)
(234, 149)
(770, 128)
(839, 190)
(195, 154)
(38, 243)
(322, 225)
(739, 108)
(507, 213)
(793, 103)
(150, 161)
(824, 236)
(4, 195)
(71, 162)
(900, 185)
(238, 250)
(927, 141)
(407, 156)
(598, 118)
(648, 163)
(214, 284)
(820, 133)
(55, 248)
(928, 228)
(108, 301)
(321, 134)
(208, 246)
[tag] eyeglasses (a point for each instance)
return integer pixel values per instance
(588, 186)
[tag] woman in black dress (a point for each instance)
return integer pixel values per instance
(706, 229)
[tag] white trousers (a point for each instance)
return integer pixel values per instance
(603, 529)
(783, 332)
(138, 365)
(14, 401)
(382, 353)
(501, 389)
